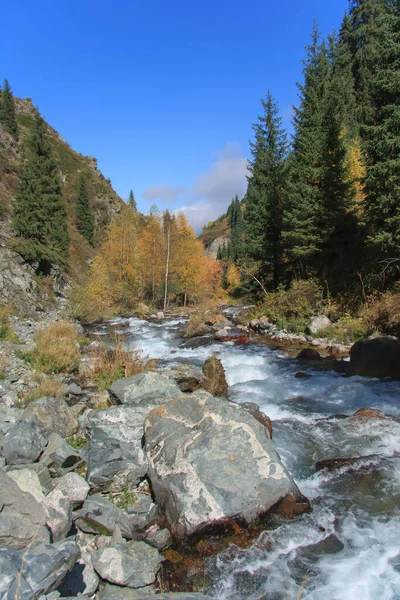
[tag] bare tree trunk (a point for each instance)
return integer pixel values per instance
(184, 300)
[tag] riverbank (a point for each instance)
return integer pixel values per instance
(91, 441)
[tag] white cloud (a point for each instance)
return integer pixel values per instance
(213, 190)
(162, 193)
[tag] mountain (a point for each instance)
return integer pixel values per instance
(19, 282)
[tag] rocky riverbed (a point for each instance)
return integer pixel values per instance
(159, 485)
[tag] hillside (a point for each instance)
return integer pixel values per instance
(216, 234)
(18, 284)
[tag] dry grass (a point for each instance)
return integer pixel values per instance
(6, 333)
(115, 362)
(57, 349)
(48, 386)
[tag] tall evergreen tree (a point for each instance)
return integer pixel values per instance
(265, 193)
(84, 215)
(7, 110)
(40, 214)
(381, 136)
(303, 210)
(132, 201)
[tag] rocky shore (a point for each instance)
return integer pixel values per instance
(96, 488)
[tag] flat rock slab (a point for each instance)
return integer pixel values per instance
(22, 518)
(132, 390)
(134, 564)
(211, 462)
(38, 570)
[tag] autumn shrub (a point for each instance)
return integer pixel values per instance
(114, 362)
(57, 349)
(48, 386)
(347, 330)
(384, 313)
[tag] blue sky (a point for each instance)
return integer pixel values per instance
(162, 92)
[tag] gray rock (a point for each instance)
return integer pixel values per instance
(58, 514)
(143, 512)
(22, 518)
(38, 570)
(210, 461)
(99, 515)
(82, 579)
(28, 481)
(115, 448)
(318, 324)
(188, 377)
(158, 538)
(134, 564)
(51, 415)
(74, 486)
(115, 592)
(74, 390)
(23, 444)
(379, 357)
(151, 386)
(59, 456)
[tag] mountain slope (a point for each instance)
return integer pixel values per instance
(18, 284)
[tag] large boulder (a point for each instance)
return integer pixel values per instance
(38, 570)
(22, 518)
(211, 463)
(115, 449)
(215, 381)
(150, 386)
(51, 415)
(379, 357)
(23, 444)
(134, 564)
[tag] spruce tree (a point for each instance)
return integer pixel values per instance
(84, 216)
(7, 110)
(303, 209)
(265, 192)
(132, 201)
(381, 136)
(39, 213)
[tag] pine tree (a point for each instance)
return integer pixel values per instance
(132, 201)
(40, 214)
(303, 209)
(266, 190)
(7, 110)
(84, 216)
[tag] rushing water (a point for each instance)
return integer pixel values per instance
(348, 548)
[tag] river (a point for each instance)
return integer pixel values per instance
(348, 547)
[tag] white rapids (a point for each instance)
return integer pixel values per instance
(348, 548)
